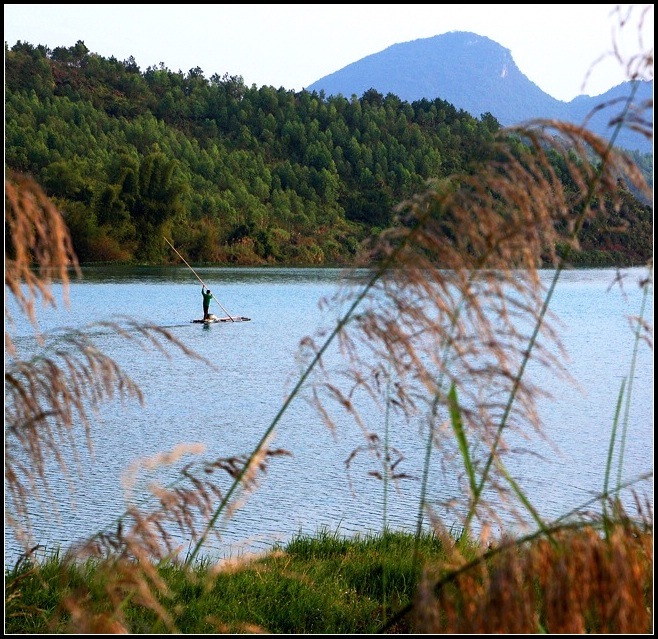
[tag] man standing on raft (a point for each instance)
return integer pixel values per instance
(207, 296)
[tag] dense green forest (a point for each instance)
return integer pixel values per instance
(243, 175)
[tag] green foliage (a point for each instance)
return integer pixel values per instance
(325, 583)
(136, 151)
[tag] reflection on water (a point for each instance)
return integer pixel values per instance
(228, 406)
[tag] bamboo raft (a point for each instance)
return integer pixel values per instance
(213, 319)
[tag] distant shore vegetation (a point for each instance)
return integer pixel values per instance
(239, 175)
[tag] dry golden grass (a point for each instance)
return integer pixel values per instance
(35, 235)
(576, 582)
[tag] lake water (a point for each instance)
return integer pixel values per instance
(228, 408)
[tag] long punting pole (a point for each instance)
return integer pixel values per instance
(200, 280)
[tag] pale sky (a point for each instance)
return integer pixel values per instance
(294, 45)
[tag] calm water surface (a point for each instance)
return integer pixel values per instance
(228, 408)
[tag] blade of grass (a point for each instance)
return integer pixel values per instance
(458, 428)
(340, 325)
(627, 406)
(611, 447)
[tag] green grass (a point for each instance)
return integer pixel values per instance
(320, 584)
(328, 584)
(583, 582)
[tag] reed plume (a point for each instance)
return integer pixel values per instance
(49, 403)
(452, 317)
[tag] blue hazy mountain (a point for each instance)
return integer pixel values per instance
(478, 75)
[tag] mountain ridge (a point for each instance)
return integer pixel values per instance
(478, 75)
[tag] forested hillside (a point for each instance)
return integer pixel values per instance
(240, 175)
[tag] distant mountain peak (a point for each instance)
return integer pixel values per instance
(473, 73)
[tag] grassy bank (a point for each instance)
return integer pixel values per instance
(581, 582)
